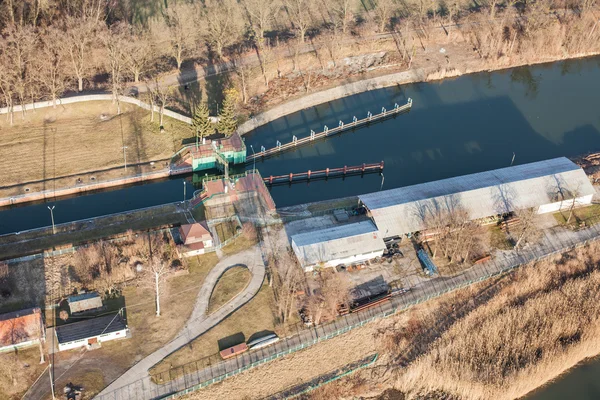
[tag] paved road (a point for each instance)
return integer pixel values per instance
(198, 323)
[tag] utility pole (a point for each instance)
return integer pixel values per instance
(52, 216)
(51, 381)
(125, 157)
(253, 159)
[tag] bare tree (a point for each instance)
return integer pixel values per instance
(160, 94)
(335, 289)
(527, 230)
(384, 10)
(223, 24)
(114, 41)
(139, 52)
(243, 70)
(6, 80)
(179, 23)
(78, 43)
(299, 12)
(20, 49)
(261, 14)
(156, 276)
(50, 68)
(343, 12)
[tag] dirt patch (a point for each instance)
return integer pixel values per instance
(18, 370)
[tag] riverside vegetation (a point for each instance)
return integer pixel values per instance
(499, 339)
(275, 48)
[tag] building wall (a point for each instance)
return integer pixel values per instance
(348, 260)
(21, 345)
(565, 205)
(102, 338)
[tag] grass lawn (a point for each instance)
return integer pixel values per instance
(18, 370)
(66, 141)
(148, 332)
(254, 317)
(232, 282)
(499, 239)
(583, 216)
(240, 243)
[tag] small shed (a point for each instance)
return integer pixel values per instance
(91, 332)
(20, 329)
(84, 302)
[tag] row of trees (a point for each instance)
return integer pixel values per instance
(51, 46)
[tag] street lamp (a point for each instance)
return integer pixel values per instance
(52, 216)
(125, 157)
(253, 159)
(183, 191)
(382, 179)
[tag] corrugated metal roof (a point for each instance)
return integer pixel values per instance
(402, 210)
(84, 302)
(90, 328)
(337, 242)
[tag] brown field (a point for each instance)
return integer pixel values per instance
(18, 370)
(71, 140)
(254, 317)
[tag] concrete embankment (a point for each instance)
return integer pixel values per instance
(47, 194)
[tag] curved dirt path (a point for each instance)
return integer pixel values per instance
(136, 383)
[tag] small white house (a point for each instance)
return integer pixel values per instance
(196, 239)
(345, 244)
(91, 332)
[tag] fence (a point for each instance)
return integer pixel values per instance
(553, 241)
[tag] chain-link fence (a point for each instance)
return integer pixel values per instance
(201, 373)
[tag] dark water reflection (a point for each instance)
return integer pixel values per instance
(459, 126)
(465, 125)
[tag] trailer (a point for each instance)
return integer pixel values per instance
(233, 351)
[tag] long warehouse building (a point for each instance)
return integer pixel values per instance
(548, 186)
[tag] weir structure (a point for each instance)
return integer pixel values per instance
(327, 132)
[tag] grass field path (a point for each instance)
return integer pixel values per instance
(136, 383)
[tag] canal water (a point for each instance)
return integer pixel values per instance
(580, 383)
(457, 126)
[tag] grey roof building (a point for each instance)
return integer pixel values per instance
(84, 302)
(344, 244)
(546, 185)
(91, 331)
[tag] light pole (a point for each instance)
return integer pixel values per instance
(125, 157)
(382, 179)
(183, 192)
(52, 216)
(253, 159)
(513, 159)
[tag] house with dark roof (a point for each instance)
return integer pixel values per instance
(91, 332)
(196, 239)
(84, 302)
(20, 329)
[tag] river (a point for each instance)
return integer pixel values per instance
(457, 126)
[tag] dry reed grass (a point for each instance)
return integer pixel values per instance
(531, 327)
